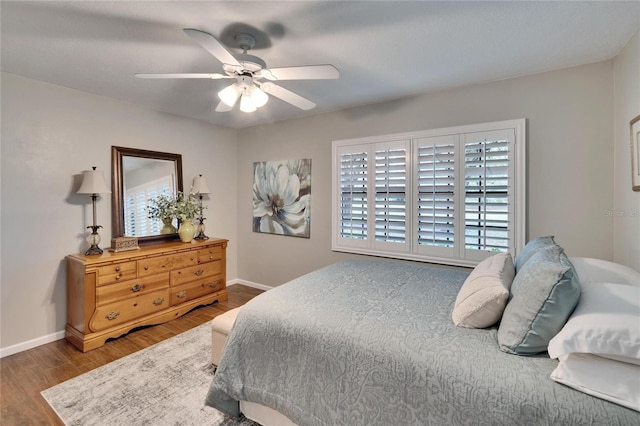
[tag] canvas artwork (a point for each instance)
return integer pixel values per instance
(282, 197)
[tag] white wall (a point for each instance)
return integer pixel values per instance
(626, 203)
(570, 161)
(50, 134)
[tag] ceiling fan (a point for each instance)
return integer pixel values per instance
(249, 71)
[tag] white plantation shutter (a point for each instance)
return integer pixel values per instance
(488, 209)
(435, 170)
(453, 196)
(130, 215)
(141, 221)
(136, 221)
(390, 196)
(353, 181)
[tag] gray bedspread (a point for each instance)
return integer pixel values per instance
(371, 342)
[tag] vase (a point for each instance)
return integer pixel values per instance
(167, 226)
(187, 231)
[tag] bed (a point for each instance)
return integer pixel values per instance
(372, 342)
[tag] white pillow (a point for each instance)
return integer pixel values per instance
(622, 359)
(602, 271)
(600, 377)
(484, 294)
(606, 322)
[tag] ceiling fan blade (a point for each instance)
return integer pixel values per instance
(231, 69)
(222, 107)
(215, 76)
(306, 72)
(212, 45)
(288, 96)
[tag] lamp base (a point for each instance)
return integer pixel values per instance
(94, 239)
(200, 230)
(94, 250)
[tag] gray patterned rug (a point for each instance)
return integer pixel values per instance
(164, 384)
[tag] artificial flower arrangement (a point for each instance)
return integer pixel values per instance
(162, 207)
(165, 207)
(187, 206)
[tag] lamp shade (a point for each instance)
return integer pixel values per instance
(229, 95)
(200, 185)
(93, 183)
(258, 96)
(246, 103)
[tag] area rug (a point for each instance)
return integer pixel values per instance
(164, 384)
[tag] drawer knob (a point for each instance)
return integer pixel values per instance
(137, 288)
(192, 258)
(214, 284)
(210, 257)
(158, 301)
(181, 294)
(146, 268)
(199, 272)
(118, 276)
(112, 315)
(117, 269)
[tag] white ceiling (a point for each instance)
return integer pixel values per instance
(384, 49)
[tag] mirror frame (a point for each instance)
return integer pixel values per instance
(117, 188)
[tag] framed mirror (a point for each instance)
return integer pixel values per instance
(138, 175)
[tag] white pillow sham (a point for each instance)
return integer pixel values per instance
(606, 322)
(602, 271)
(484, 294)
(603, 378)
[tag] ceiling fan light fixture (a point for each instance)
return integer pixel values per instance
(246, 103)
(229, 95)
(258, 97)
(249, 70)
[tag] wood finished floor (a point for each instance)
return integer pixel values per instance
(25, 374)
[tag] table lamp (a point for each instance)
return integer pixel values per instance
(200, 188)
(93, 183)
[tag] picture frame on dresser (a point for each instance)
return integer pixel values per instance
(635, 153)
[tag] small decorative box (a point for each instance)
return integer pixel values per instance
(124, 244)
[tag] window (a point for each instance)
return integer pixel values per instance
(390, 196)
(486, 197)
(353, 195)
(453, 196)
(435, 168)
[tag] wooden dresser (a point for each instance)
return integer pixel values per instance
(110, 294)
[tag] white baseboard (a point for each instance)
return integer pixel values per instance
(30, 344)
(249, 284)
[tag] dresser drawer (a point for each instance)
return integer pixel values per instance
(182, 260)
(192, 273)
(130, 309)
(155, 265)
(116, 272)
(209, 254)
(114, 292)
(195, 289)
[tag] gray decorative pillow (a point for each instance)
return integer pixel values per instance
(543, 294)
(531, 248)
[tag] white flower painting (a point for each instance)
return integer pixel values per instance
(282, 197)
